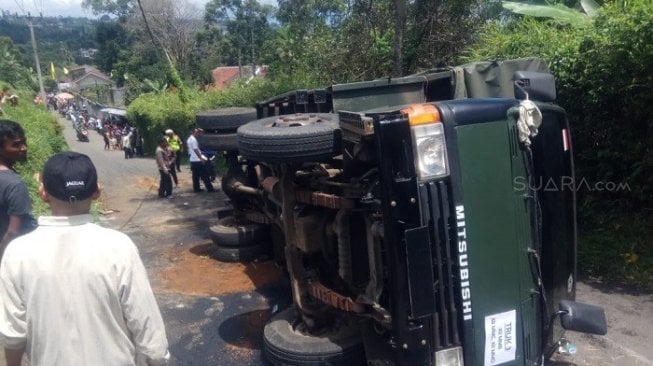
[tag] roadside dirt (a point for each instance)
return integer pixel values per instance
(184, 267)
(188, 268)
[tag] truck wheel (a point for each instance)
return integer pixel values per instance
(225, 119)
(218, 141)
(244, 253)
(233, 232)
(292, 138)
(284, 345)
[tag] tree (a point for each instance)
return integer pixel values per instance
(439, 31)
(307, 41)
(111, 38)
(400, 23)
(119, 8)
(170, 25)
(173, 25)
(246, 24)
(11, 68)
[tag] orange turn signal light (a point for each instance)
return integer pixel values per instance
(421, 114)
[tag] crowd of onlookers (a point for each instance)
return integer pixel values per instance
(122, 137)
(117, 133)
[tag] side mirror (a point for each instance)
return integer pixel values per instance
(583, 318)
(533, 85)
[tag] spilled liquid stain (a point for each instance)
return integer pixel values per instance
(192, 271)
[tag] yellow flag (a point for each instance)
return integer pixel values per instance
(65, 71)
(52, 72)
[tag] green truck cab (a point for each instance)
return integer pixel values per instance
(423, 220)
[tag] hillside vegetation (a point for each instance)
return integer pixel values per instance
(44, 139)
(604, 80)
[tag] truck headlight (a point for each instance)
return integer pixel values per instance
(430, 151)
(449, 357)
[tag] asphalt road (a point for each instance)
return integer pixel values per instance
(211, 327)
(206, 325)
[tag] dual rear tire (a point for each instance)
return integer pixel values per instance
(220, 127)
(238, 240)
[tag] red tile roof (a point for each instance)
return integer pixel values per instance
(226, 75)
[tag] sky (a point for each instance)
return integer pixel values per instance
(72, 8)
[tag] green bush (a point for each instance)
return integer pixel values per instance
(153, 113)
(604, 81)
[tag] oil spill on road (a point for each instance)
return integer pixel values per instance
(192, 271)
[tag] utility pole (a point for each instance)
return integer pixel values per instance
(36, 57)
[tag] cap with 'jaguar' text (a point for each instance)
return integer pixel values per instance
(70, 176)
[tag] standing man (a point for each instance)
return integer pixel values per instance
(163, 163)
(75, 293)
(174, 143)
(127, 145)
(15, 206)
(197, 160)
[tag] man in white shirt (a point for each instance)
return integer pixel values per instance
(198, 162)
(74, 293)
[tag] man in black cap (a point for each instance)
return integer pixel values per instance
(75, 293)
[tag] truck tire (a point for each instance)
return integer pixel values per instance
(296, 138)
(225, 119)
(218, 141)
(283, 345)
(232, 232)
(243, 253)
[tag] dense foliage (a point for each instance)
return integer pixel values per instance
(153, 113)
(59, 40)
(604, 79)
(12, 66)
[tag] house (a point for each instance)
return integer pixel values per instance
(86, 76)
(88, 52)
(92, 83)
(224, 76)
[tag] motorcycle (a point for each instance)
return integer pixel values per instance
(82, 134)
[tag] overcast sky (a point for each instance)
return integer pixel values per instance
(72, 8)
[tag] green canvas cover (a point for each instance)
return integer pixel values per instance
(492, 79)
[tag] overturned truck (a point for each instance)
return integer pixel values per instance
(410, 217)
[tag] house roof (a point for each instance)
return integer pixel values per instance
(87, 69)
(224, 76)
(98, 75)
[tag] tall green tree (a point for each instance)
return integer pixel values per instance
(362, 39)
(119, 8)
(307, 41)
(111, 38)
(245, 25)
(439, 31)
(12, 68)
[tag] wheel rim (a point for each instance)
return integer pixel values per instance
(296, 120)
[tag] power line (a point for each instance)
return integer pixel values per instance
(21, 5)
(28, 18)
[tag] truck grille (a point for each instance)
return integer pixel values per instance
(439, 214)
